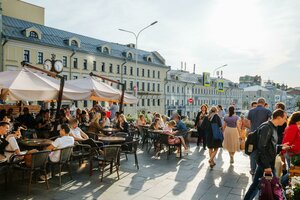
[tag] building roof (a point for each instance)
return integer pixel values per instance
(255, 88)
(14, 28)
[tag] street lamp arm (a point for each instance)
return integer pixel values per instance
(120, 29)
(146, 28)
(218, 68)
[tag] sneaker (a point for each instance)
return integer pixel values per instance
(44, 178)
(187, 151)
(177, 155)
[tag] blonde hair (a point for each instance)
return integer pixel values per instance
(171, 123)
(123, 117)
(96, 118)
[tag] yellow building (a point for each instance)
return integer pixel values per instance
(25, 38)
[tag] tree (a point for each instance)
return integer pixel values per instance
(298, 104)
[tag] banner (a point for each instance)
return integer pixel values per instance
(206, 79)
(220, 86)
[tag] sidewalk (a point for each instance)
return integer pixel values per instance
(188, 178)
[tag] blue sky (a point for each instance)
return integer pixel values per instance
(251, 36)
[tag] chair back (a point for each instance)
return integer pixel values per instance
(111, 152)
(65, 154)
(39, 159)
(130, 147)
(164, 139)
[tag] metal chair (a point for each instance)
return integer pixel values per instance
(109, 155)
(64, 159)
(38, 163)
(164, 141)
(131, 148)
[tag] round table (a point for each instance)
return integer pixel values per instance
(110, 130)
(112, 139)
(36, 142)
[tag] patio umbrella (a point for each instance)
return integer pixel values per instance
(27, 84)
(102, 91)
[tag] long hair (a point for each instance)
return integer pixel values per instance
(231, 111)
(295, 117)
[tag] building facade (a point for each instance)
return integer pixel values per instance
(185, 93)
(29, 40)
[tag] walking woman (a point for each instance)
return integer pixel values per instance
(232, 133)
(199, 119)
(212, 144)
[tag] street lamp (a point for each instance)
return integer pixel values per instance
(136, 52)
(218, 68)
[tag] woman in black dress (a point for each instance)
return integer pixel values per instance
(201, 132)
(212, 144)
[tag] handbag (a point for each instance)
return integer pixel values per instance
(217, 134)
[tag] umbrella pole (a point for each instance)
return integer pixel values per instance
(122, 98)
(60, 93)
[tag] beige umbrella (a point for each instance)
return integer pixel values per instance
(31, 85)
(102, 91)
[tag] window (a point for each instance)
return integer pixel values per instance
(153, 73)
(182, 90)
(26, 55)
(33, 34)
(75, 60)
(129, 56)
(103, 67)
(149, 59)
(137, 72)
(131, 85)
(118, 69)
(74, 43)
(85, 104)
(173, 89)
(143, 86)
(168, 88)
(143, 72)
(75, 77)
(158, 102)
(85, 64)
(148, 86)
(40, 57)
(168, 102)
(125, 84)
(143, 102)
(153, 87)
(177, 89)
(94, 65)
(65, 60)
(158, 74)
(158, 87)
(125, 70)
(148, 73)
(131, 71)
(105, 50)
(153, 102)
(148, 102)
(110, 68)
(138, 85)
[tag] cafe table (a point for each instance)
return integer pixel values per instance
(112, 139)
(35, 143)
(108, 131)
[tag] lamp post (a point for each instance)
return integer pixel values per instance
(218, 68)
(136, 52)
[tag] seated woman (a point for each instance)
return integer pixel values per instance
(123, 124)
(44, 125)
(79, 135)
(175, 139)
(155, 125)
(141, 121)
(12, 147)
(104, 121)
(94, 124)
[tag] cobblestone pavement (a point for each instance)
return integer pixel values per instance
(158, 178)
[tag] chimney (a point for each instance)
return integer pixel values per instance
(194, 69)
(181, 65)
(184, 66)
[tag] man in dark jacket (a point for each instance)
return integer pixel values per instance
(266, 150)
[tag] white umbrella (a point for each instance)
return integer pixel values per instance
(31, 85)
(102, 91)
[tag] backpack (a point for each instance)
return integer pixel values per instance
(252, 140)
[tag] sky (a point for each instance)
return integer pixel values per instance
(250, 37)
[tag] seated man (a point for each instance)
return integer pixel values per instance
(4, 127)
(13, 148)
(182, 130)
(64, 141)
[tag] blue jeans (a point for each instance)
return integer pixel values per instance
(252, 162)
(253, 189)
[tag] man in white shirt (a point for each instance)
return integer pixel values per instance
(64, 141)
(13, 147)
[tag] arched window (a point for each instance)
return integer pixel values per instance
(74, 43)
(105, 50)
(149, 59)
(129, 56)
(33, 34)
